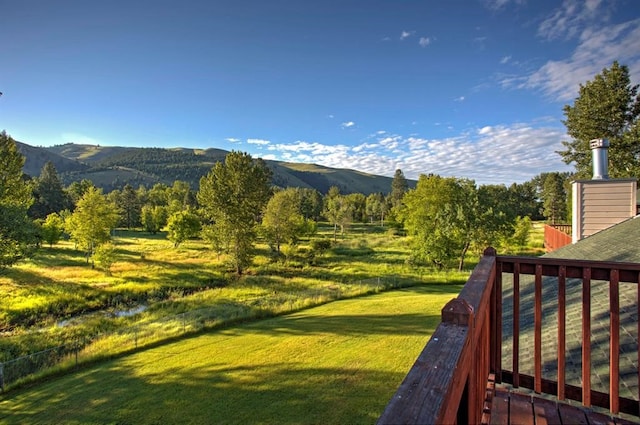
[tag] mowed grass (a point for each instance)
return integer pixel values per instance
(334, 364)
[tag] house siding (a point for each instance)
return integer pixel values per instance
(600, 204)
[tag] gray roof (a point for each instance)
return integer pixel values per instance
(617, 243)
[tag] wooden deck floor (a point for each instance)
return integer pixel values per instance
(511, 407)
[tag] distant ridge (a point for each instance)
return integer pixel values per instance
(112, 167)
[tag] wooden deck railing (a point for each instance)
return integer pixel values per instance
(447, 383)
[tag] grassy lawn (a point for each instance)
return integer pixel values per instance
(334, 364)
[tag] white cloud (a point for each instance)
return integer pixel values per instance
(505, 60)
(485, 130)
(364, 146)
(571, 17)
(424, 41)
(459, 99)
(598, 48)
(499, 4)
(260, 142)
(496, 154)
(348, 124)
(232, 140)
(406, 34)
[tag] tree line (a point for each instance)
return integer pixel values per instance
(236, 204)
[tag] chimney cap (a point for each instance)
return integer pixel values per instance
(599, 143)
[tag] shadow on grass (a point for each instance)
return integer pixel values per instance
(352, 325)
(193, 380)
(209, 393)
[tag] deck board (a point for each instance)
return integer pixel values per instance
(546, 412)
(512, 407)
(520, 409)
(500, 408)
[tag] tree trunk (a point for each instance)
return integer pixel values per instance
(464, 253)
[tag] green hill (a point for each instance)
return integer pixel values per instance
(112, 167)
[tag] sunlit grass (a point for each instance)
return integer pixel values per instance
(59, 284)
(335, 364)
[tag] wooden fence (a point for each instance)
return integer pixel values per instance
(556, 236)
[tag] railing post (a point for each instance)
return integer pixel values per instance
(586, 336)
(458, 312)
(562, 310)
(614, 343)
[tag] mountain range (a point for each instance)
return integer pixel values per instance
(112, 167)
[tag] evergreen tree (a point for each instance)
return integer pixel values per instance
(17, 231)
(607, 107)
(554, 197)
(77, 189)
(129, 206)
(399, 186)
(49, 195)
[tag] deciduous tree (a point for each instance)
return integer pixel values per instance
(232, 196)
(153, 218)
(607, 107)
(337, 209)
(181, 226)
(440, 216)
(282, 221)
(91, 222)
(52, 229)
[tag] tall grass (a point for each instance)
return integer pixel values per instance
(59, 284)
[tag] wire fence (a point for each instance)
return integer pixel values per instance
(108, 344)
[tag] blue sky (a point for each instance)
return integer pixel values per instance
(470, 89)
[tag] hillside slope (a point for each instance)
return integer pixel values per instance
(112, 167)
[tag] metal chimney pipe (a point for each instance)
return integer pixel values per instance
(600, 161)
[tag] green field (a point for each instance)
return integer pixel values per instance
(334, 364)
(243, 356)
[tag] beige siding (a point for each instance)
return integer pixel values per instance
(599, 204)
